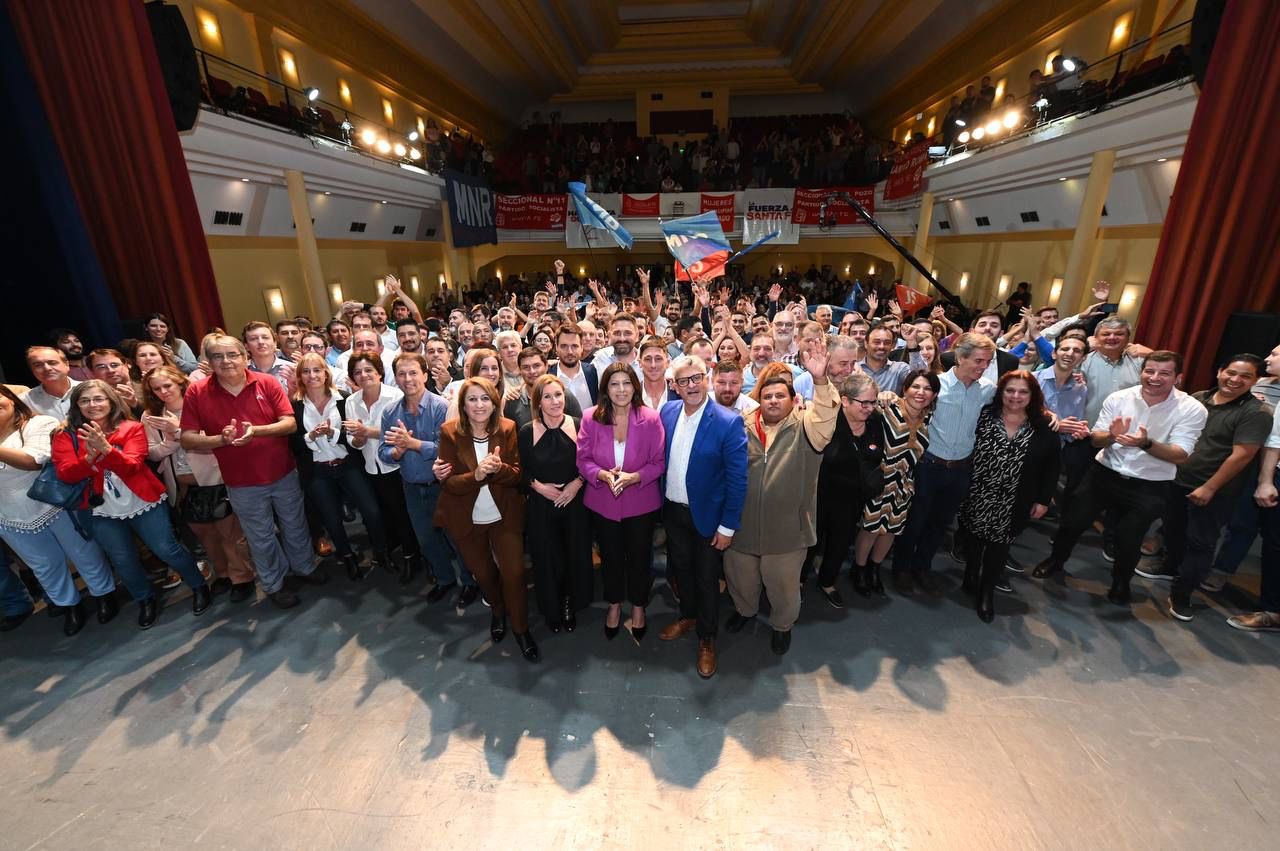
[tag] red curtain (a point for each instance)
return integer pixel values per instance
(1218, 250)
(97, 73)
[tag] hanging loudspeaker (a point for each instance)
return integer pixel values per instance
(1204, 31)
(177, 62)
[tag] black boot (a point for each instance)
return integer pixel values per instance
(568, 618)
(497, 628)
(986, 603)
(108, 608)
(524, 640)
(972, 572)
(73, 620)
(201, 599)
(876, 584)
(354, 572)
(407, 566)
(148, 613)
(862, 579)
(382, 559)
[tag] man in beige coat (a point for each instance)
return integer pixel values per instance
(784, 454)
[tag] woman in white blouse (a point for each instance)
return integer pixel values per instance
(181, 471)
(329, 471)
(363, 425)
(42, 535)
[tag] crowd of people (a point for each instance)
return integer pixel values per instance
(772, 438)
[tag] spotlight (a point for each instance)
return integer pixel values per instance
(963, 137)
(960, 122)
(327, 192)
(369, 137)
(1069, 65)
(400, 150)
(244, 180)
(415, 154)
(311, 92)
(992, 128)
(384, 147)
(1042, 103)
(1061, 179)
(384, 202)
(1011, 119)
(978, 134)
(413, 135)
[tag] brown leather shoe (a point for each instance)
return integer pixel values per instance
(706, 658)
(672, 631)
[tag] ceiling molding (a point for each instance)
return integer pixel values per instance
(834, 25)
(548, 45)
(499, 44)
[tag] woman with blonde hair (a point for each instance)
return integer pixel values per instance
(194, 484)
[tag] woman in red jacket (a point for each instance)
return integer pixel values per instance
(99, 442)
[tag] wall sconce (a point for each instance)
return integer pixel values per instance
(380, 285)
(335, 292)
(1005, 280)
(288, 66)
(388, 113)
(498, 272)
(413, 283)
(440, 280)
(1129, 297)
(1055, 291)
(273, 298)
(999, 90)
(344, 92)
(210, 32)
(1048, 60)
(871, 270)
(582, 271)
(964, 280)
(1120, 31)
(934, 272)
(847, 267)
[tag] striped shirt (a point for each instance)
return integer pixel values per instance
(955, 416)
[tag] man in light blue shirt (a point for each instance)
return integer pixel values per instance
(942, 475)
(1065, 394)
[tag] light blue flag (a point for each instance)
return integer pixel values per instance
(592, 215)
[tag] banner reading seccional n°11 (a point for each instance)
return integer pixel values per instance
(766, 211)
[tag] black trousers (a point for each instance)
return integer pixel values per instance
(626, 557)
(1191, 534)
(1077, 458)
(696, 565)
(389, 490)
(1132, 505)
(837, 529)
(984, 560)
(328, 486)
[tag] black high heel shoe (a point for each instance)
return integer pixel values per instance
(567, 616)
(637, 632)
(524, 640)
(610, 632)
(498, 628)
(876, 583)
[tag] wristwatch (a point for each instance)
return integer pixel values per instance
(1147, 446)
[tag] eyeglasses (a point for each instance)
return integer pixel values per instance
(313, 347)
(690, 380)
(105, 367)
(865, 402)
(218, 357)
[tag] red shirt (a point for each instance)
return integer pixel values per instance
(208, 407)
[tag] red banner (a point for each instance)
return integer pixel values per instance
(723, 207)
(907, 177)
(640, 205)
(808, 202)
(530, 212)
(910, 300)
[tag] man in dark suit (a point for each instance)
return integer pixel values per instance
(579, 376)
(704, 489)
(990, 324)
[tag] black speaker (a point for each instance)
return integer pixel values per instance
(1204, 32)
(177, 62)
(1249, 333)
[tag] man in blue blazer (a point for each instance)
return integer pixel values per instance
(704, 488)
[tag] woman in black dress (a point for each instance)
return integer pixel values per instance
(557, 526)
(1015, 472)
(849, 477)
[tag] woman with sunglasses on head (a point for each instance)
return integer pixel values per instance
(110, 450)
(42, 535)
(186, 474)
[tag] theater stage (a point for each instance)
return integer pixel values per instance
(365, 719)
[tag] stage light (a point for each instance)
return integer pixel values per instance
(311, 92)
(1042, 103)
(960, 122)
(384, 147)
(1011, 119)
(369, 137)
(978, 134)
(1069, 65)
(413, 135)
(992, 128)
(963, 137)
(400, 150)
(415, 154)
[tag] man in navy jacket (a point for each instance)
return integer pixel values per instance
(704, 488)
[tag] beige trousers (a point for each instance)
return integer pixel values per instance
(778, 574)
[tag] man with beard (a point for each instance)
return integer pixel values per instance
(623, 336)
(68, 342)
(727, 385)
(378, 316)
(653, 374)
(579, 377)
(888, 374)
(289, 339)
(409, 338)
(785, 347)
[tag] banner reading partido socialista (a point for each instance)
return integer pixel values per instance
(809, 203)
(531, 212)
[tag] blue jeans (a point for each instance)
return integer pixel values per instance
(330, 486)
(14, 599)
(421, 502)
(939, 492)
(1242, 528)
(1269, 520)
(259, 508)
(115, 536)
(47, 552)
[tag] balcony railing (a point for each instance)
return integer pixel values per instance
(236, 90)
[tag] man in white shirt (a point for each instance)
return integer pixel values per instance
(378, 316)
(653, 374)
(623, 338)
(1144, 433)
(364, 342)
(53, 397)
(579, 377)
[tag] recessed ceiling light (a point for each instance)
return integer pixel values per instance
(1060, 179)
(327, 192)
(244, 180)
(1163, 160)
(384, 202)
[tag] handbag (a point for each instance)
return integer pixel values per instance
(205, 504)
(48, 488)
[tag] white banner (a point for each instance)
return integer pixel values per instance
(599, 238)
(766, 211)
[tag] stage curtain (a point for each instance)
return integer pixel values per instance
(96, 70)
(1218, 249)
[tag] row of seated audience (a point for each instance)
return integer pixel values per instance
(772, 446)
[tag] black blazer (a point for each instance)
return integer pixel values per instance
(1039, 476)
(298, 443)
(1005, 362)
(588, 370)
(850, 472)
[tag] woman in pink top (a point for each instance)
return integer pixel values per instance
(621, 447)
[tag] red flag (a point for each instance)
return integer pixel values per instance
(911, 300)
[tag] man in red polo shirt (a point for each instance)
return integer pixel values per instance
(244, 418)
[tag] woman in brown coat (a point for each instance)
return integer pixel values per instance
(482, 508)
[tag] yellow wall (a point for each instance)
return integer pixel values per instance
(1124, 257)
(245, 266)
(675, 99)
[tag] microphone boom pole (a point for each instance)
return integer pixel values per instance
(888, 237)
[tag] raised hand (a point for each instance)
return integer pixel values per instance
(895, 308)
(873, 302)
(775, 292)
(815, 361)
(559, 264)
(1101, 290)
(392, 284)
(939, 313)
(642, 275)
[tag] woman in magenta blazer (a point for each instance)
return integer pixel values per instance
(621, 448)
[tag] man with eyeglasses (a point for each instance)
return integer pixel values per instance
(111, 366)
(706, 484)
(245, 419)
